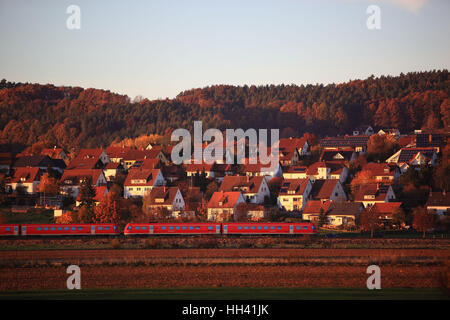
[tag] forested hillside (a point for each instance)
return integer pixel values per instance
(74, 117)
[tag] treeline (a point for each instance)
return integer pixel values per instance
(73, 117)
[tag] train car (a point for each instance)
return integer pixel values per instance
(172, 228)
(268, 228)
(69, 229)
(9, 229)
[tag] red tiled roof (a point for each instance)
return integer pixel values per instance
(380, 169)
(162, 196)
(78, 174)
(26, 175)
(314, 206)
(240, 183)
(223, 199)
(294, 187)
(323, 188)
(297, 143)
(386, 207)
(99, 193)
(141, 177)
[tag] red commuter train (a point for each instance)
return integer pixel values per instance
(54, 229)
(172, 228)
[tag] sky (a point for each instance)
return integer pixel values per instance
(159, 48)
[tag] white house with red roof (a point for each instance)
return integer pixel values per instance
(141, 181)
(71, 180)
(169, 198)
(327, 170)
(254, 189)
(27, 178)
(222, 205)
(294, 194)
(406, 157)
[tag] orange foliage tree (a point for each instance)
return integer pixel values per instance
(423, 220)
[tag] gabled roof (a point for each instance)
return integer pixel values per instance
(77, 175)
(202, 167)
(162, 196)
(323, 188)
(408, 154)
(221, 199)
(377, 190)
(134, 154)
(314, 206)
(117, 152)
(245, 184)
(293, 187)
(386, 207)
(33, 161)
(141, 177)
(26, 175)
(380, 169)
(336, 155)
(99, 193)
(86, 159)
(335, 167)
(288, 143)
(347, 141)
(345, 208)
(438, 199)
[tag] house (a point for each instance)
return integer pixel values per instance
(386, 211)
(253, 189)
(133, 156)
(301, 144)
(288, 155)
(111, 169)
(344, 156)
(223, 169)
(429, 140)
(371, 193)
(223, 205)
(406, 157)
(344, 213)
(294, 194)
(172, 173)
(71, 180)
(327, 170)
(391, 132)
(295, 172)
(193, 169)
(169, 198)
(55, 153)
(327, 189)
(363, 130)
(26, 180)
(100, 192)
(250, 212)
(259, 169)
(89, 159)
(41, 162)
(439, 202)
(407, 141)
(117, 154)
(357, 143)
(382, 172)
(337, 213)
(140, 181)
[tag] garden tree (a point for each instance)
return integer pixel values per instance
(323, 220)
(112, 209)
(380, 147)
(361, 178)
(86, 214)
(370, 220)
(423, 220)
(412, 196)
(358, 164)
(68, 217)
(210, 189)
(241, 214)
(49, 185)
(398, 217)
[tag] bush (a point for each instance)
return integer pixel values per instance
(115, 244)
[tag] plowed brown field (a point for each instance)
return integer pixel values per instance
(307, 268)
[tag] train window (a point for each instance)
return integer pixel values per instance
(312, 227)
(7, 229)
(143, 228)
(39, 228)
(170, 228)
(184, 228)
(59, 229)
(298, 228)
(245, 228)
(45, 228)
(272, 228)
(107, 228)
(266, 228)
(129, 228)
(115, 228)
(239, 228)
(305, 228)
(191, 228)
(210, 228)
(177, 228)
(163, 228)
(137, 228)
(259, 228)
(74, 229)
(279, 228)
(53, 228)
(100, 228)
(66, 228)
(80, 229)
(253, 228)
(197, 228)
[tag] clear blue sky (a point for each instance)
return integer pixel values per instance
(159, 48)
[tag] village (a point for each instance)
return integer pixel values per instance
(330, 182)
